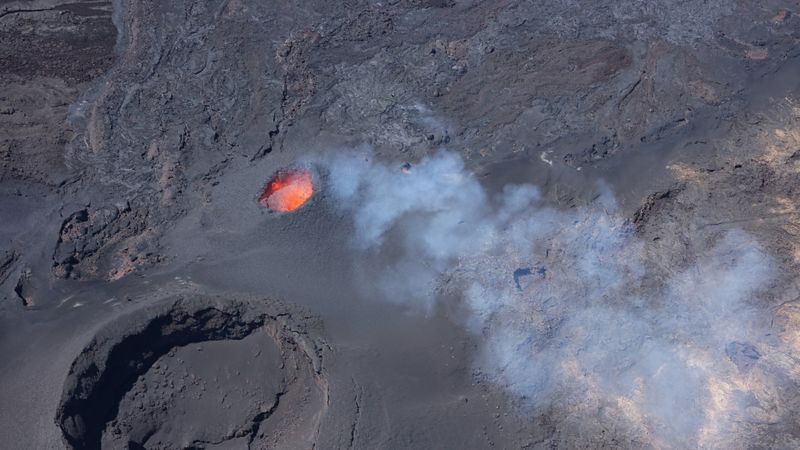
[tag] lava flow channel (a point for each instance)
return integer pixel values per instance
(287, 190)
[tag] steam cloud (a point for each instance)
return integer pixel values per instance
(567, 311)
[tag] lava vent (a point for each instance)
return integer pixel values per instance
(288, 190)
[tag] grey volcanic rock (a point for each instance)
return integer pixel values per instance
(6, 261)
(84, 233)
(136, 137)
(743, 354)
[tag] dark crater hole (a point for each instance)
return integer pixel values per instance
(189, 374)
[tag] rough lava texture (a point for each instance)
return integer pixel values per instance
(607, 166)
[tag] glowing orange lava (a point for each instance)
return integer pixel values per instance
(287, 190)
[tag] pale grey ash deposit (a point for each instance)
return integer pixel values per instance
(561, 224)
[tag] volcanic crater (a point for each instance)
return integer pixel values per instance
(144, 381)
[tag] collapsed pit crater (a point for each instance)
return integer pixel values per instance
(196, 373)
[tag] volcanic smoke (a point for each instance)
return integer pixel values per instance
(287, 190)
(604, 330)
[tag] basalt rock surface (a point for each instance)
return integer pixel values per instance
(135, 138)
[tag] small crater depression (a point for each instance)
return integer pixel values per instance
(197, 373)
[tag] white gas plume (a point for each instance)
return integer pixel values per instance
(566, 311)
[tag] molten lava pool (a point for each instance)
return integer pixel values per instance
(287, 190)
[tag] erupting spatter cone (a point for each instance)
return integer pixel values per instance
(287, 190)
